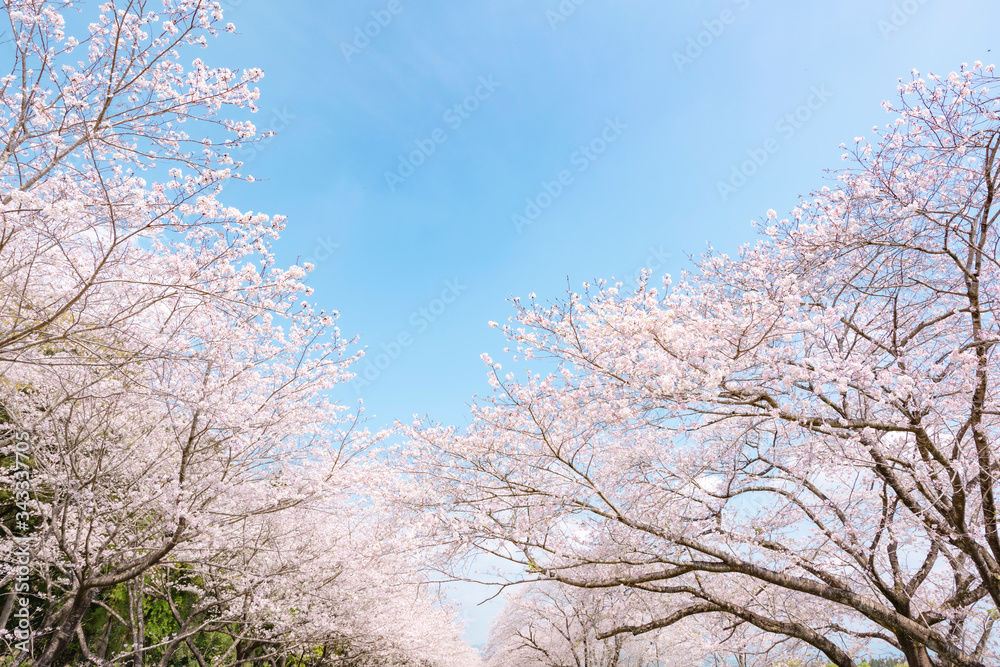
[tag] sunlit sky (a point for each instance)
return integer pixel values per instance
(436, 158)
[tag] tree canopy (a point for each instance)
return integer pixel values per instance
(799, 439)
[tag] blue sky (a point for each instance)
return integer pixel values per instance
(531, 142)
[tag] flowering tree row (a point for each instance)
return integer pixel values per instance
(178, 487)
(549, 624)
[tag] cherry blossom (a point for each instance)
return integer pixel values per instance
(798, 440)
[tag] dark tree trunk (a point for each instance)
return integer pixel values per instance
(916, 655)
(61, 639)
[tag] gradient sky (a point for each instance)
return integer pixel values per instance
(668, 98)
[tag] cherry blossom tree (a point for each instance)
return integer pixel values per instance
(320, 585)
(110, 141)
(546, 626)
(553, 625)
(800, 439)
(192, 493)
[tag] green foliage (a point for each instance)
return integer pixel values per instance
(885, 662)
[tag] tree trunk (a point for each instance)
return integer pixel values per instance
(916, 655)
(7, 608)
(102, 645)
(139, 629)
(60, 640)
